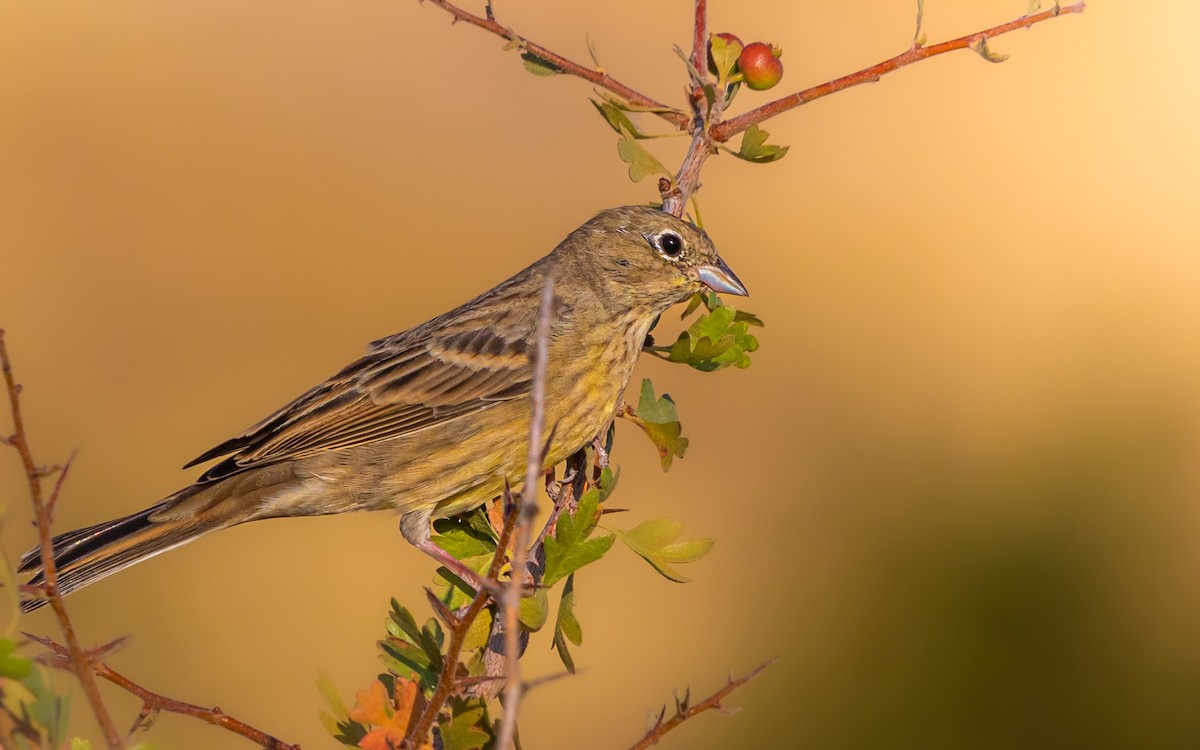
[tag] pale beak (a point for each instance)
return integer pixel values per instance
(721, 278)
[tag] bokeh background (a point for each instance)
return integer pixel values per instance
(956, 494)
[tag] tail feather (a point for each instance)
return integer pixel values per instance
(84, 556)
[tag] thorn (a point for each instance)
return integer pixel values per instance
(440, 609)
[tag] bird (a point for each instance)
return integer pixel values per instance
(434, 421)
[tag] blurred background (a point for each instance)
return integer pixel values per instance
(956, 494)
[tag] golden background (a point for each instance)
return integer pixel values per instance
(956, 494)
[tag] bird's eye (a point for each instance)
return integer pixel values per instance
(670, 243)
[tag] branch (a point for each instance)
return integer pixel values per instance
(700, 37)
(459, 625)
(724, 131)
(152, 702)
(685, 710)
(565, 65)
(80, 664)
(525, 513)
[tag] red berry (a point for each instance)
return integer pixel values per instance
(730, 40)
(760, 65)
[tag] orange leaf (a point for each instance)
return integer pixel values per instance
(383, 738)
(371, 706)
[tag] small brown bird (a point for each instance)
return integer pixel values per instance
(433, 421)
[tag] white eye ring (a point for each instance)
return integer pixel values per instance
(668, 243)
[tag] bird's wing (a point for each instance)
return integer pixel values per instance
(406, 383)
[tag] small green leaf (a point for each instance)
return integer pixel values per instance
(1034, 7)
(616, 119)
(479, 631)
(724, 56)
(533, 611)
(566, 625)
(755, 148)
(918, 36)
(720, 338)
(570, 548)
(980, 46)
(641, 162)
(539, 66)
(462, 538)
(78, 743)
(592, 53)
(659, 419)
(697, 77)
(463, 731)
(12, 666)
(562, 560)
(654, 541)
(332, 699)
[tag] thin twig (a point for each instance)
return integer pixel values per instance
(724, 131)
(565, 65)
(525, 513)
(79, 662)
(700, 37)
(152, 702)
(685, 710)
(448, 679)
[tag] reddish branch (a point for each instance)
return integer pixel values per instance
(685, 709)
(700, 36)
(726, 130)
(152, 702)
(459, 625)
(565, 65)
(715, 131)
(79, 662)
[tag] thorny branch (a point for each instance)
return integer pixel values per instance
(685, 709)
(564, 64)
(709, 131)
(526, 509)
(726, 130)
(79, 662)
(153, 703)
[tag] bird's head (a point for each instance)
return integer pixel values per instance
(647, 259)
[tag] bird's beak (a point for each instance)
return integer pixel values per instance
(721, 278)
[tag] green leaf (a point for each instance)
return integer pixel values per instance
(659, 419)
(564, 560)
(1034, 7)
(616, 119)
(534, 610)
(539, 66)
(78, 743)
(720, 338)
(918, 36)
(724, 56)
(48, 709)
(755, 148)
(566, 625)
(980, 46)
(655, 541)
(462, 538)
(625, 106)
(12, 666)
(697, 77)
(479, 631)
(570, 548)
(463, 731)
(412, 649)
(641, 162)
(332, 699)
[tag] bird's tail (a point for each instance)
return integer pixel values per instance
(86, 555)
